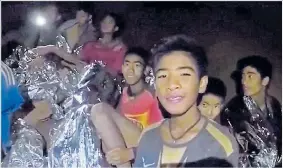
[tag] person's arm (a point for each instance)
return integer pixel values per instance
(66, 56)
(73, 59)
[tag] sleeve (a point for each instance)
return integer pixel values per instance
(155, 113)
(9, 105)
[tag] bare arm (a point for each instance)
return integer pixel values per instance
(66, 56)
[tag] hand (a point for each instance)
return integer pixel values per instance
(120, 156)
(43, 50)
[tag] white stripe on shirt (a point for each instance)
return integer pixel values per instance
(8, 74)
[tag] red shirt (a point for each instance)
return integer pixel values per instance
(143, 109)
(112, 57)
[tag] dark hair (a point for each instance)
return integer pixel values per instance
(143, 53)
(181, 43)
(119, 23)
(216, 86)
(87, 7)
(260, 63)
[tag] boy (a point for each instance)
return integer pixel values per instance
(138, 109)
(80, 30)
(31, 35)
(255, 74)
(213, 99)
(180, 70)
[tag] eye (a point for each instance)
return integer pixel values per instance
(250, 76)
(204, 105)
(161, 76)
(185, 74)
(138, 65)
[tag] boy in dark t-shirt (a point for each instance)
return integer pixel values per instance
(180, 75)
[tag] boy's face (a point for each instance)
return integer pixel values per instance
(211, 105)
(82, 17)
(108, 25)
(51, 14)
(133, 68)
(177, 82)
(252, 82)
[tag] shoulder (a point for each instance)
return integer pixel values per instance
(120, 45)
(150, 131)
(66, 25)
(222, 136)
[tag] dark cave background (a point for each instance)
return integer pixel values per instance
(228, 30)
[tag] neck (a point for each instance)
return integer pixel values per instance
(259, 98)
(107, 37)
(81, 24)
(137, 88)
(191, 116)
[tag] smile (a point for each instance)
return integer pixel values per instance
(175, 99)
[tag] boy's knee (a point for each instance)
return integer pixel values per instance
(101, 112)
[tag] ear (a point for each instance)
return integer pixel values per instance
(203, 84)
(116, 28)
(265, 81)
(147, 70)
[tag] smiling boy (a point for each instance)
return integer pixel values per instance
(180, 71)
(138, 109)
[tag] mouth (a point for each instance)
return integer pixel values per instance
(175, 99)
(245, 88)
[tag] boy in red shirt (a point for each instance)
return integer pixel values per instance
(137, 109)
(137, 101)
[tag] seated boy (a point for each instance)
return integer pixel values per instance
(137, 109)
(180, 76)
(212, 101)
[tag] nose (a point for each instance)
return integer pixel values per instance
(244, 80)
(173, 83)
(209, 111)
(131, 68)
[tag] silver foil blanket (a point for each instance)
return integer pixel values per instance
(74, 142)
(256, 139)
(27, 149)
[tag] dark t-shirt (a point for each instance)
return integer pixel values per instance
(212, 141)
